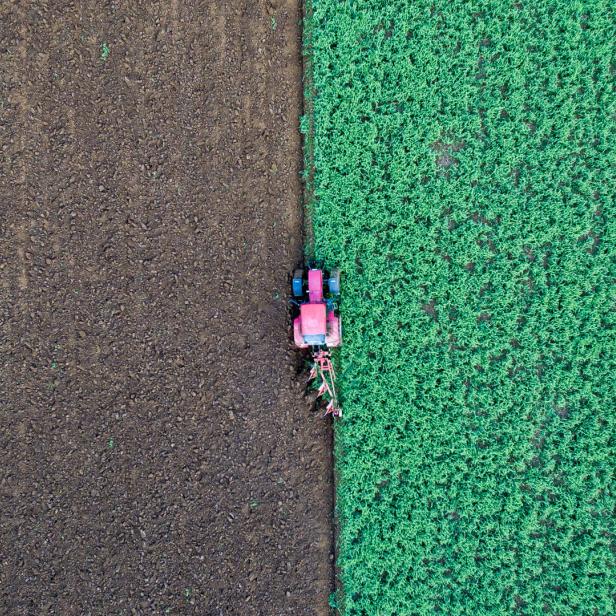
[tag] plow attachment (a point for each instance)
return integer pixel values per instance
(323, 369)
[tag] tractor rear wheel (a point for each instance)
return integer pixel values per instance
(334, 282)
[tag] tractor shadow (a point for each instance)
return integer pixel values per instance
(302, 364)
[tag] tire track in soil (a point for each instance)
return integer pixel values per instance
(157, 453)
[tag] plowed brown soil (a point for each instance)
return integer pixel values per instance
(157, 455)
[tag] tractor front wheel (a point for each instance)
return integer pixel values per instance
(334, 282)
(298, 283)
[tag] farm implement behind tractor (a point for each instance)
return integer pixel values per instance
(317, 327)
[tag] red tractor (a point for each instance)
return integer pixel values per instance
(317, 326)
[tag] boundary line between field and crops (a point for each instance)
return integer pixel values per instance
(307, 130)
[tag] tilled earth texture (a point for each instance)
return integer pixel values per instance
(157, 455)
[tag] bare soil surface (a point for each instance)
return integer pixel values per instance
(157, 454)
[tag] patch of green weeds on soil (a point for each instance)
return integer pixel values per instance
(460, 170)
(105, 51)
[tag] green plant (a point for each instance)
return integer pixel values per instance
(460, 170)
(105, 51)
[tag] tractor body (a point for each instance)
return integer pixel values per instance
(317, 324)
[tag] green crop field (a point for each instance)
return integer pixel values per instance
(461, 171)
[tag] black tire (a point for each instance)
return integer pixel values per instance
(334, 282)
(298, 283)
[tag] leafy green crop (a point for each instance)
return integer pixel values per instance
(462, 174)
